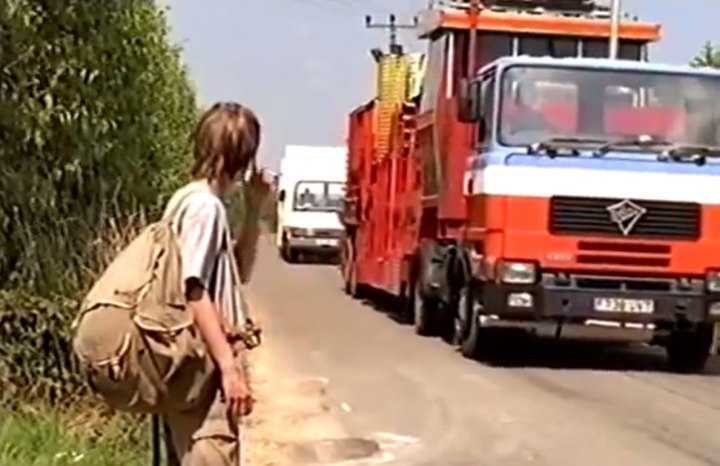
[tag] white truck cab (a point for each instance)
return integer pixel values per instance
(310, 194)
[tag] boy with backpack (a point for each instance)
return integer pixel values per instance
(164, 328)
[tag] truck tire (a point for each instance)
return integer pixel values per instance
(467, 327)
(405, 303)
(424, 310)
(688, 351)
(450, 315)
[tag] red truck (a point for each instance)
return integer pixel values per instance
(554, 230)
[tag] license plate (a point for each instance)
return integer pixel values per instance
(326, 242)
(623, 305)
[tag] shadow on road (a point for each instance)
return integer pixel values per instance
(386, 304)
(519, 352)
(573, 355)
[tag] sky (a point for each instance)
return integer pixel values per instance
(303, 65)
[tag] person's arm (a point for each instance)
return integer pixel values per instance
(209, 323)
(236, 390)
(245, 249)
(246, 243)
(199, 242)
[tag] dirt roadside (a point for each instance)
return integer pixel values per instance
(294, 422)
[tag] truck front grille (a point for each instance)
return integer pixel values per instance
(624, 218)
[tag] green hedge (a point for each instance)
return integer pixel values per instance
(35, 355)
(95, 114)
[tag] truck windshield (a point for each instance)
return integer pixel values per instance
(541, 102)
(318, 196)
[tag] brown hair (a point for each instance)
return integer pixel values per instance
(227, 133)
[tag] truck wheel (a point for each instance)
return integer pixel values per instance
(405, 304)
(688, 351)
(467, 327)
(424, 310)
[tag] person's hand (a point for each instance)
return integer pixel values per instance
(236, 393)
(258, 188)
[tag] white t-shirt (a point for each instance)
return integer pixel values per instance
(203, 234)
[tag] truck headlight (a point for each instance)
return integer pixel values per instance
(518, 273)
(712, 281)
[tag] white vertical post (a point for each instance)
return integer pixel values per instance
(615, 28)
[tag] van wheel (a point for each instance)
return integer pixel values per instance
(294, 256)
(289, 254)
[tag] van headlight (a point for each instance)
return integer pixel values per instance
(518, 273)
(300, 232)
(712, 281)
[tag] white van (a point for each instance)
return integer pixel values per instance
(311, 189)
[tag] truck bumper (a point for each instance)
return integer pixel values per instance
(599, 308)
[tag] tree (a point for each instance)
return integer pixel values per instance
(708, 57)
(95, 113)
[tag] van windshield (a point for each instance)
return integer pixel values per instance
(543, 102)
(318, 196)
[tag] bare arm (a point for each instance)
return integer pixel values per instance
(200, 243)
(209, 323)
(208, 320)
(246, 245)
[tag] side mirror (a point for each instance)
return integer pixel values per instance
(281, 195)
(469, 101)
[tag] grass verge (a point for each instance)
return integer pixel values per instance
(50, 437)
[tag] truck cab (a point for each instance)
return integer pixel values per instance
(514, 177)
(593, 202)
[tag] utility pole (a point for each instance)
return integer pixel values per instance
(393, 26)
(615, 27)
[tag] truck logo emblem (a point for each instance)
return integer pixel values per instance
(625, 214)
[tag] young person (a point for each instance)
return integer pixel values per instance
(226, 142)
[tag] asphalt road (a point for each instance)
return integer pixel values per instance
(427, 405)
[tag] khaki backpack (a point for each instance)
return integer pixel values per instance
(134, 335)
